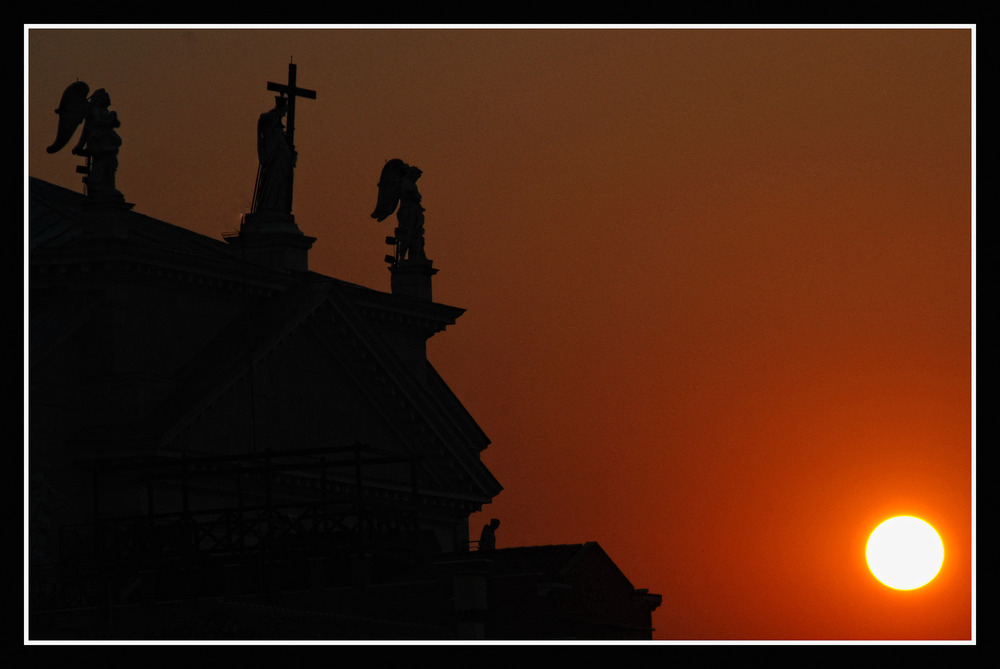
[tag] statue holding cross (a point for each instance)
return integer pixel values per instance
(276, 148)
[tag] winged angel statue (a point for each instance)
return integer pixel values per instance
(98, 142)
(398, 186)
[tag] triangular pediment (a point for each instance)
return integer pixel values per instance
(306, 369)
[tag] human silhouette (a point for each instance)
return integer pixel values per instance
(488, 537)
(277, 160)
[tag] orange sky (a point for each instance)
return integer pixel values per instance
(718, 282)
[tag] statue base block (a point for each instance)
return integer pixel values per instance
(106, 215)
(273, 239)
(413, 279)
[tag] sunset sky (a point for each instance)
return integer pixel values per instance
(719, 281)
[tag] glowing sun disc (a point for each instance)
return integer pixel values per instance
(904, 553)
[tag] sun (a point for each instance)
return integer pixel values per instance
(904, 553)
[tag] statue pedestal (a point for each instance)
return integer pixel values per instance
(273, 239)
(106, 215)
(413, 278)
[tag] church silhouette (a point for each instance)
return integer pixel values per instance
(225, 445)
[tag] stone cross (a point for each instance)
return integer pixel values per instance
(291, 91)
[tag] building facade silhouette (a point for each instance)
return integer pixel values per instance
(223, 444)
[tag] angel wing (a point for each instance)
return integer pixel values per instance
(73, 108)
(389, 189)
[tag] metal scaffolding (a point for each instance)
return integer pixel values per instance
(262, 519)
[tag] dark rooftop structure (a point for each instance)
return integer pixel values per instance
(224, 444)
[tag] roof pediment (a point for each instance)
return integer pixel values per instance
(423, 419)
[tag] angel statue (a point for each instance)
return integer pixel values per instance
(98, 142)
(398, 185)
